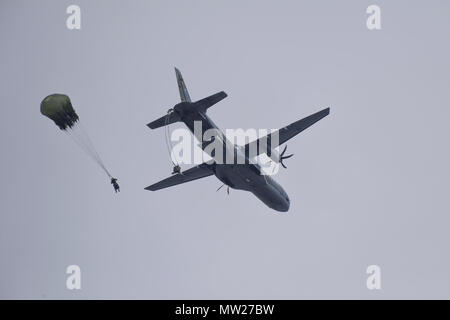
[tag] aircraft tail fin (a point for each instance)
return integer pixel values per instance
(184, 94)
(202, 104)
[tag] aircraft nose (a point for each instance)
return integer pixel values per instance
(283, 206)
(282, 202)
(286, 202)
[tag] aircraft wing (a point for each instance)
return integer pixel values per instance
(200, 171)
(285, 133)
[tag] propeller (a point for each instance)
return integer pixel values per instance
(282, 157)
(228, 188)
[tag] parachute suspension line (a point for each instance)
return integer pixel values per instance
(76, 137)
(168, 141)
(82, 139)
(89, 141)
(86, 141)
(91, 144)
(70, 134)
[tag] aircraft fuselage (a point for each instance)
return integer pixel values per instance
(245, 176)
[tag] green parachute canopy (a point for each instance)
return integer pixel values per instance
(59, 108)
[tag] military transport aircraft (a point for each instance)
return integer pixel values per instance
(246, 176)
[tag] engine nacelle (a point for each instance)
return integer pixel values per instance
(275, 155)
(279, 157)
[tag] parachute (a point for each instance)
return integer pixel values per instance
(58, 108)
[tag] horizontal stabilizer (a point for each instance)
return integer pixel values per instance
(200, 171)
(164, 120)
(205, 103)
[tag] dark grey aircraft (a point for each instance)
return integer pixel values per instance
(238, 175)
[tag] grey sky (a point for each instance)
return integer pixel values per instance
(368, 185)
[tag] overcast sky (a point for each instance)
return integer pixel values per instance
(368, 184)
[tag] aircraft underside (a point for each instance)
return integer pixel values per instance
(235, 175)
